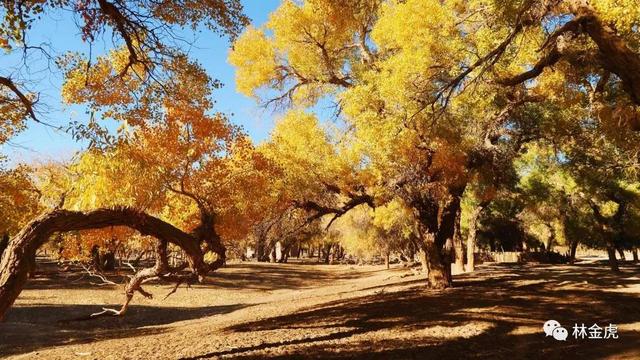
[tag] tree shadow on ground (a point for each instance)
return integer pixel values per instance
(497, 317)
(51, 325)
(246, 275)
(267, 276)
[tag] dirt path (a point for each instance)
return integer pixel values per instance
(316, 311)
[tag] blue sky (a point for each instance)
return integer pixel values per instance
(41, 143)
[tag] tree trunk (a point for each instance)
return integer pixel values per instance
(621, 253)
(436, 228)
(610, 227)
(411, 251)
(4, 242)
(572, 251)
(108, 261)
(616, 56)
(95, 257)
(613, 263)
(285, 251)
(272, 255)
(386, 259)
(422, 255)
(457, 244)
(471, 237)
(326, 252)
(634, 252)
(552, 237)
(297, 250)
(439, 245)
(438, 270)
(17, 258)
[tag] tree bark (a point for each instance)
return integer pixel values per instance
(422, 256)
(272, 255)
(457, 244)
(439, 251)
(4, 242)
(472, 235)
(15, 261)
(438, 269)
(572, 251)
(613, 262)
(610, 227)
(616, 57)
(108, 261)
(95, 257)
(436, 229)
(326, 252)
(552, 237)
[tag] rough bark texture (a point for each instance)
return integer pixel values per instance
(616, 57)
(614, 52)
(16, 260)
(438, 219)
(472, 235)
(438, 269)
(613, 262)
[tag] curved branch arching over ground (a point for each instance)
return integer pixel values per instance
(20, 253)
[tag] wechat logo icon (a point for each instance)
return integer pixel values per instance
(554, 329)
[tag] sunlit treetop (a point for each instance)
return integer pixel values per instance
(19, 199)
(191, 159)
(438, 90)
(307, 51)
(144, 47)
(310, 157)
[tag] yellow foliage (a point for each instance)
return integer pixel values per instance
(625, 14)
(254, 57)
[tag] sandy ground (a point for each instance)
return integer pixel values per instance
(253, 311)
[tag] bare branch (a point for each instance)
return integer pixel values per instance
(28, 104)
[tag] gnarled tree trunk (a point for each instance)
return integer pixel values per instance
(16, 260)
(616, 57)
(437, 267)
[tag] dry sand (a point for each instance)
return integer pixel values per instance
(294, 311)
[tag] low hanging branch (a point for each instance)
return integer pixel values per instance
(319, 210)
(20, 252)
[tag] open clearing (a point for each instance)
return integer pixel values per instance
(253, 310)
